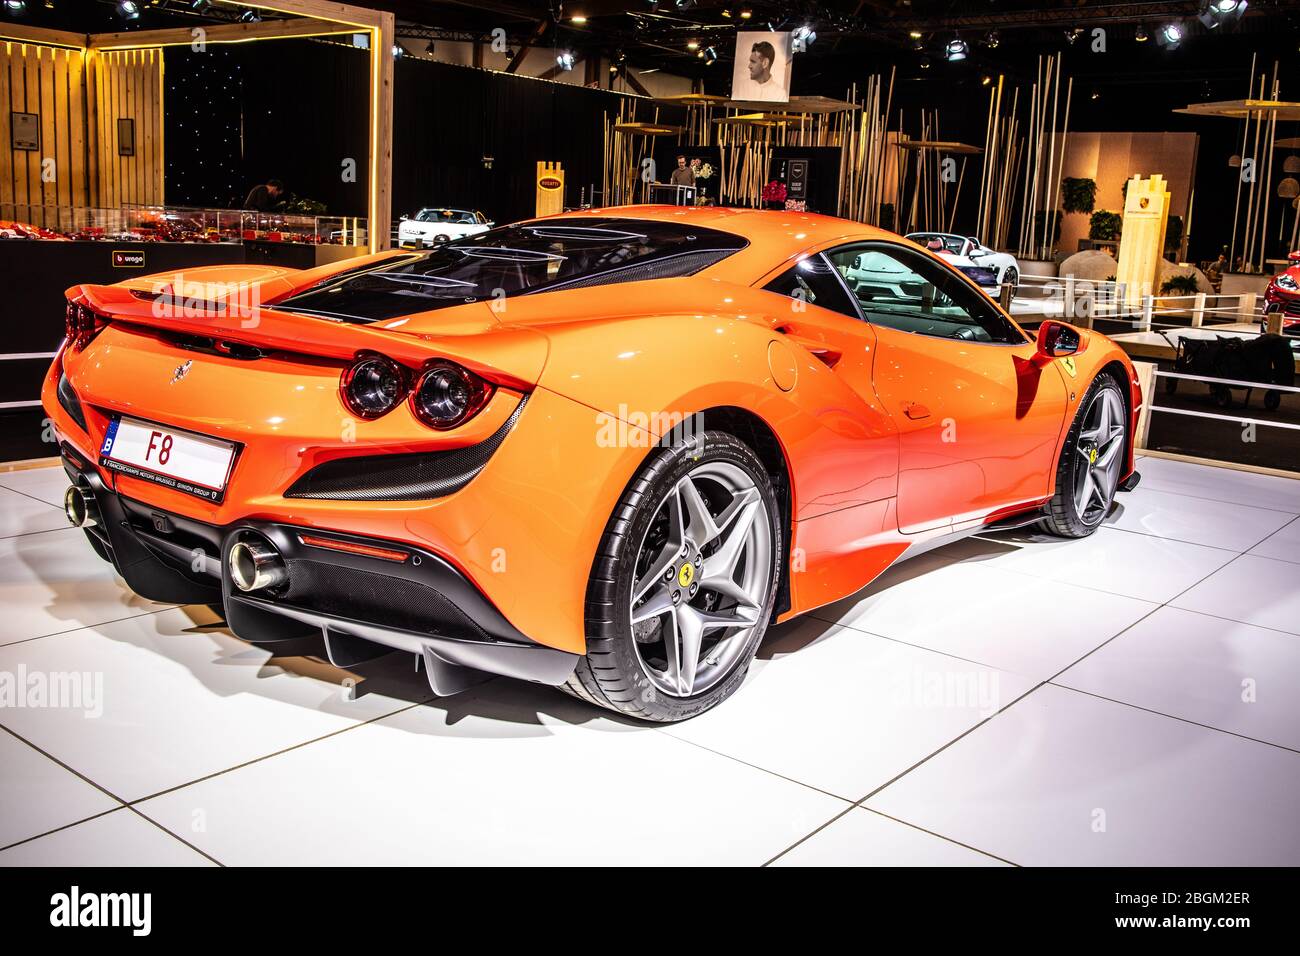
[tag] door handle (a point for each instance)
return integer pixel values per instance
(915, 410)
(819, 349)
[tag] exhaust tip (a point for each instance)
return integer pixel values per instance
(78, 506)
(255, 566)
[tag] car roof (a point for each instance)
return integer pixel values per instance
(775, 236)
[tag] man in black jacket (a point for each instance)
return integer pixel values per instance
(264, 197)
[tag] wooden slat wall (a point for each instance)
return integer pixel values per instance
(128, 84)
(48, 81)
(79, 98)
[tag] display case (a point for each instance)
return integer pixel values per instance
(133, 223)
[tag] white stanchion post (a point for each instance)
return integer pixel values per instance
(1148, 309)
(1198, 311)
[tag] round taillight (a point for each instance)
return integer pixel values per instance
(373, 386)
(448, 395)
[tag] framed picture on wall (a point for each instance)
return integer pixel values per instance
(25, 131)
(126, 137)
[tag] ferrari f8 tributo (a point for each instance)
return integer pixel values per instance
(603, 450)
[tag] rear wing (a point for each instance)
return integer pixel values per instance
(513, 357)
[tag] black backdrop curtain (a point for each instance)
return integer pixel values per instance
(447, 119)
(292, 110)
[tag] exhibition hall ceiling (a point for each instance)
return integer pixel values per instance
(1195, 50)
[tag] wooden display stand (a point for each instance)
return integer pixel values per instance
(1142, 239)
(550, 189)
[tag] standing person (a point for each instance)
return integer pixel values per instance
(683, 175)
(264, 197)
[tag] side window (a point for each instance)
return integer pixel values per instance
(902, 289)
(813, 280)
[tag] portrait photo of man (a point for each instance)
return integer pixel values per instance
(762, 71)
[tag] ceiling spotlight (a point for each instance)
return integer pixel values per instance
(915, 34)
(803, 37)
(925, 63)
(692, 44)
(992, 39)
(1072, 35)
(564, 60)
(250, 16)
(1171, 34)
(956, 50)
(746, 13)
(985, 80)
(1141, 36)
(579, 20)
(399, 51)
(1216, 12)
(128, 9)
(726, 13)
(15, 8)
(1096, 94)
(710, 55)
(200, 6)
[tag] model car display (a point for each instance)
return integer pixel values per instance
(435, 224)
(1283, 295)
(679, 426)
(984, 265)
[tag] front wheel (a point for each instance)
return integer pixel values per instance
(1011, 277)
(683, 584)
(1091, 462)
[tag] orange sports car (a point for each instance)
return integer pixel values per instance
(603, 450)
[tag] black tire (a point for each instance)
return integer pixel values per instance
(1171, 386)
(1013, 277)
(1063, 518)
(611, 674)
(1272, 400)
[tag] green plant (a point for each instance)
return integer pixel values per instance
(1078, 195)
(1179, 284)
(1104, 226)
(303, 207)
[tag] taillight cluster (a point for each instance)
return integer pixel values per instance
(442, 394)
(81, 325)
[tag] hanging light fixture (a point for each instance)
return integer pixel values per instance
(956, 50)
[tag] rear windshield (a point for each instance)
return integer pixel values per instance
(519, 259)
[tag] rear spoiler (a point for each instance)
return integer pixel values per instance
(513, 357)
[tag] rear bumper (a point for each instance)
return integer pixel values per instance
(363, 606)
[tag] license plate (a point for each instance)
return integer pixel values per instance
(194, 464)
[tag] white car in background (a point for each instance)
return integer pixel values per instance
(987, 268)
(437, 224)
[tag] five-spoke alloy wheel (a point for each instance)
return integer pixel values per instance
(1092, 462)
(682, 590)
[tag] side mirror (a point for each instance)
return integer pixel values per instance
(1056, 339)
(489, 224)
(404, 218)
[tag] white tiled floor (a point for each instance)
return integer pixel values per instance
(1126, 699)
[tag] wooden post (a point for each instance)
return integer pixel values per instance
(1246, 306)
(382, 39)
